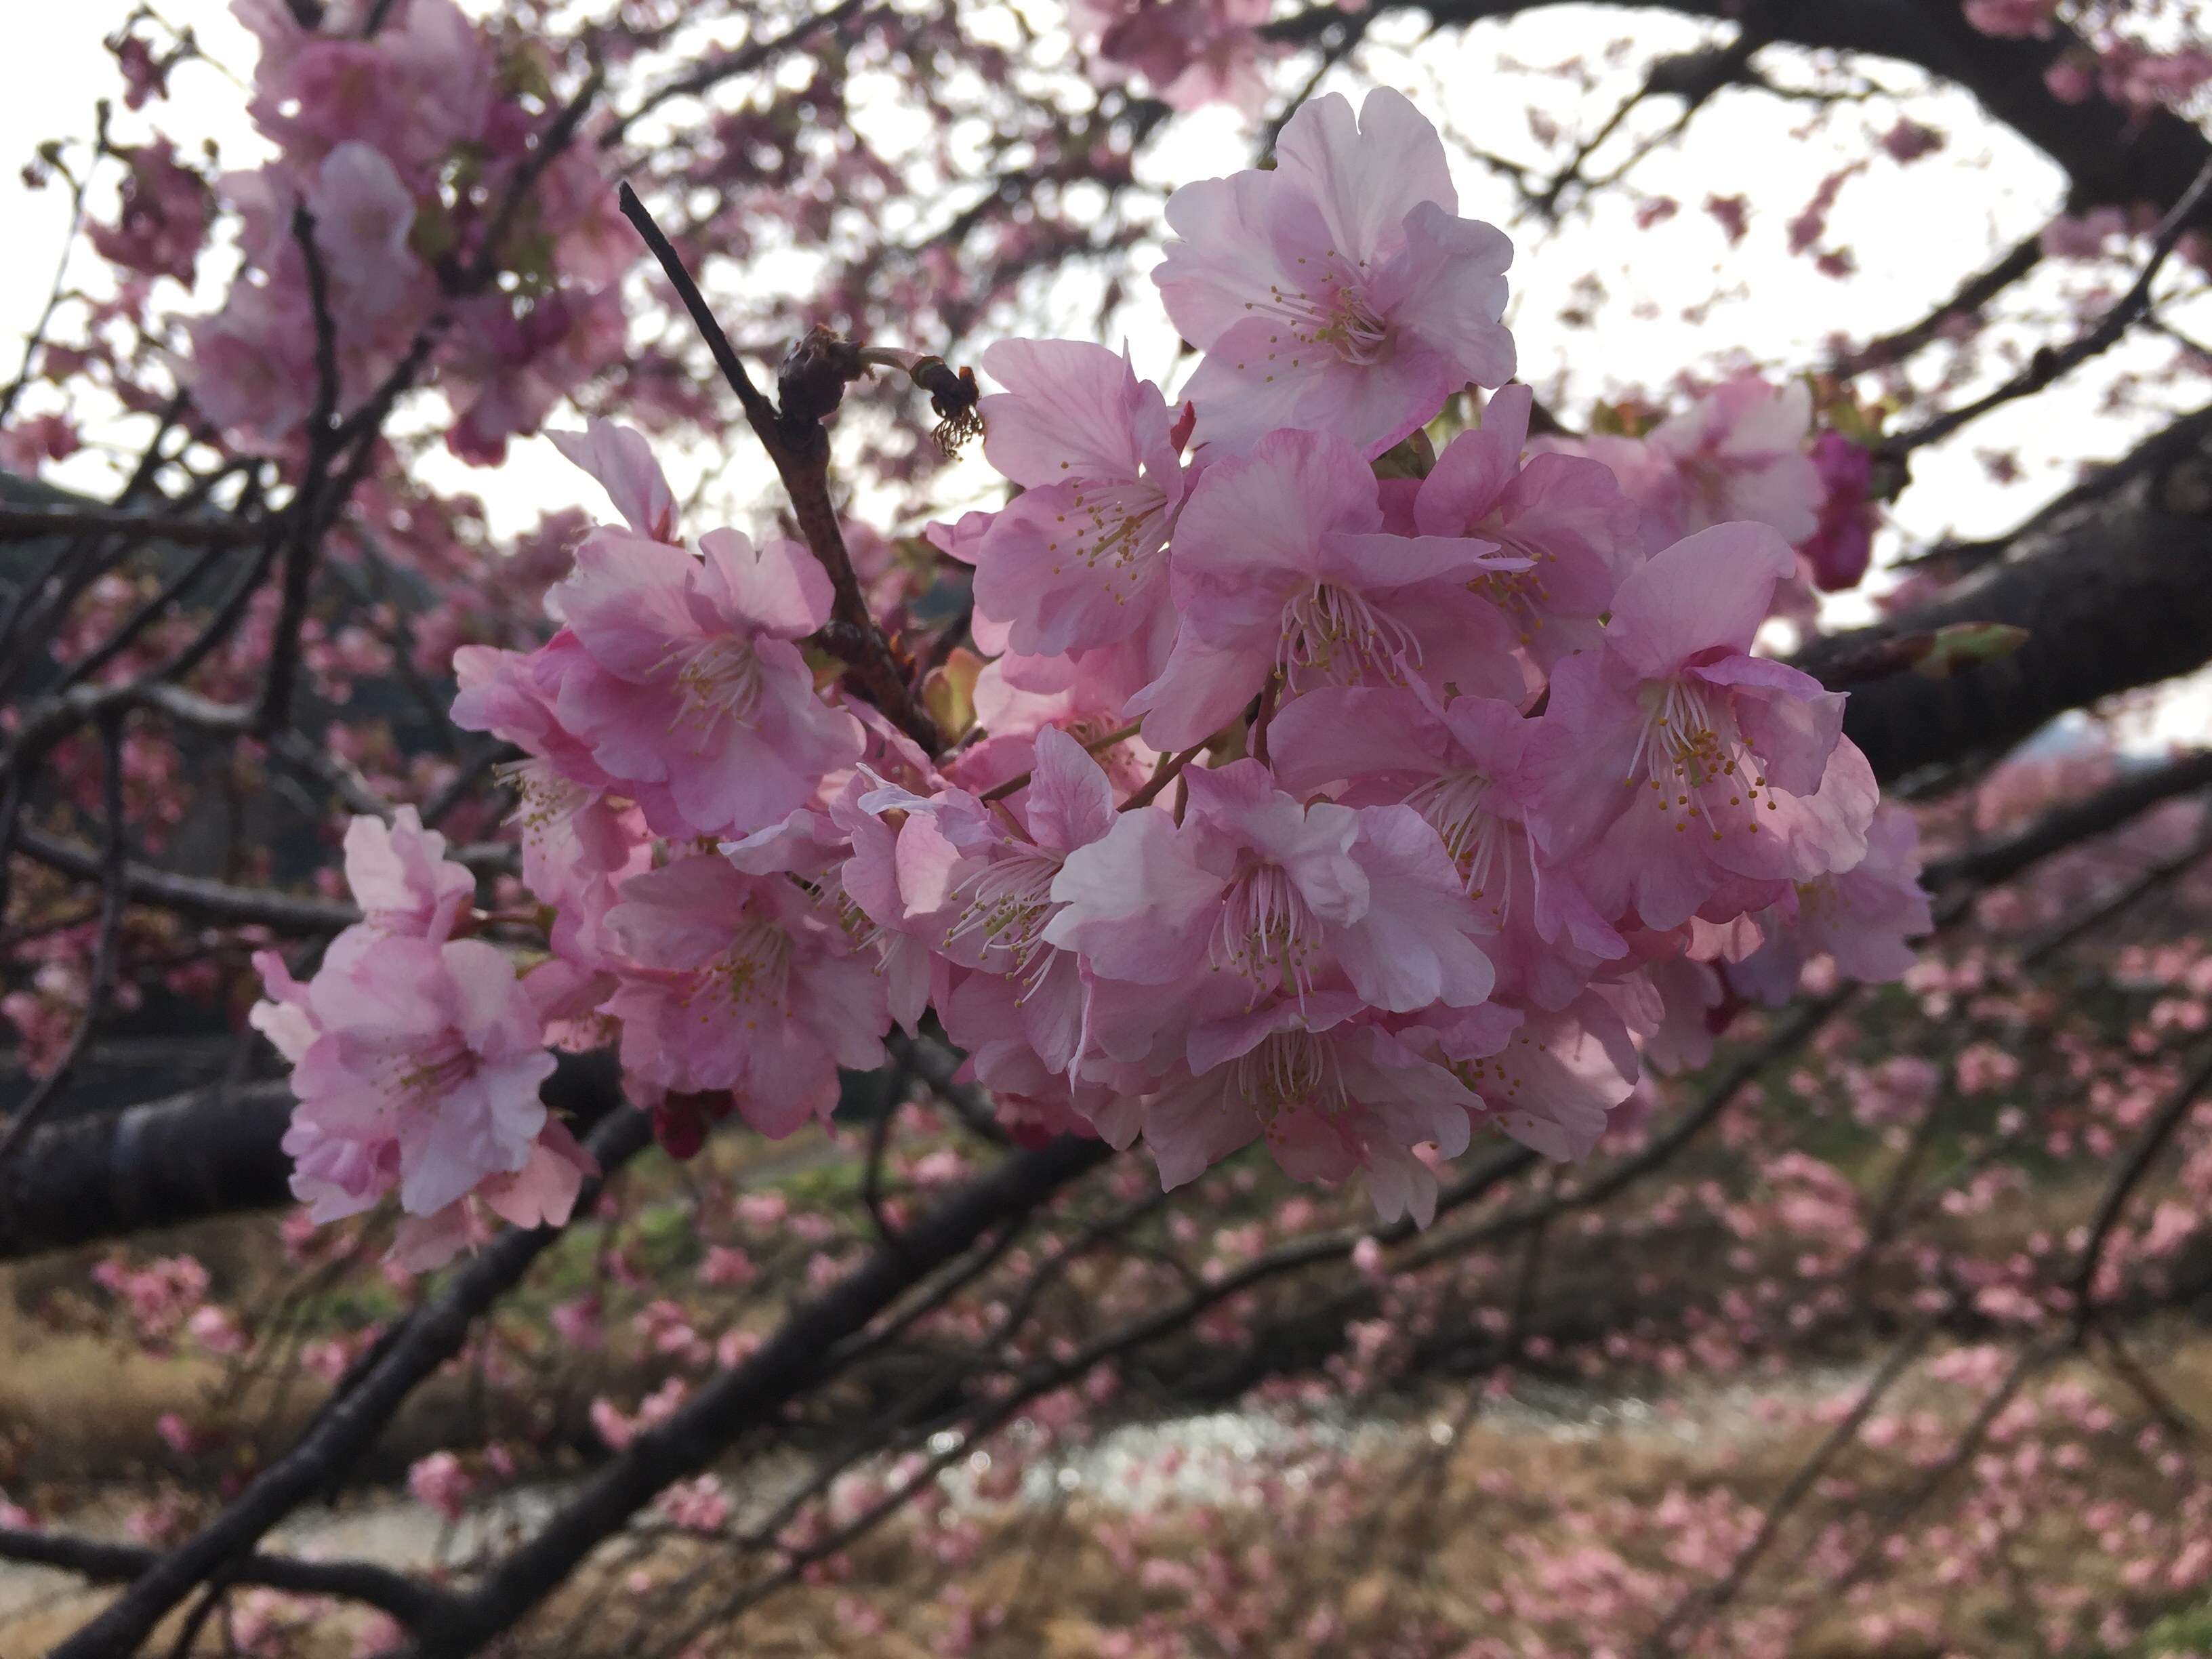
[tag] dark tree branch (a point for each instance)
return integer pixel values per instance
(2113, 584)
(104, 1563)
(106, 954)
(305, 528)
(753, 1393)
(434, 1336)
(32, 524)
(192, 896)
(2063, 827)
(797, 443)
(210, 1151)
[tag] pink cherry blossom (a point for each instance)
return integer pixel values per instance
(362, 213)
(1079, 558)
(1331, 1096)
(1737, 453)
(982, 892)
(740, 984)
(425, 81)
(621, 462)
(1565, 515)
(1843, 544)
(1460, 767)
(441, 1482)
(164, 213)
(1191, 52)
(1862, 917)
(417, 1065)
(402, 879)
(1276, 898)
(1670, 763)
(1339, 291)
(688, 678)
(1281, 565)
(542, 1193)
(2010, 18)
(1548, 1080)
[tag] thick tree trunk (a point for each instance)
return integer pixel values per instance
(2113, 583)
(206, 1153)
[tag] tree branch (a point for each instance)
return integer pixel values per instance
(192, 896)
(801, 450)
(753, 1393)
(2113, 584)
(104, 955)
(409, 1602)
(433, 1334)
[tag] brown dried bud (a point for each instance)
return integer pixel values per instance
(953, 397)
(813, 380)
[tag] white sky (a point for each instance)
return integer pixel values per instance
(1914, 230)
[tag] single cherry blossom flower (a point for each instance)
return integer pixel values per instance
(1548, 1080)
(402, 879)
(1276, 898)
(1738, 453)
(1079, 558)
(1670, 763)
(739, 984)
(978, 888)
(1281, 566)
(1339, 291)
(416, 1063)
(1460, 767)
(1565, 515)
(699, 686)
(621, 461)
(1862, 917)
(362, 213)
(1330, 1095)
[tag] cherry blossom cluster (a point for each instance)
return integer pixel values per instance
(406, 161)
(1323, 787)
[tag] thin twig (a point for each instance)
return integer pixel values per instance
(105, 1563)
(801, 452)
(2047, 365)
(1695, 1610)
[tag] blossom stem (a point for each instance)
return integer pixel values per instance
(1164, 773)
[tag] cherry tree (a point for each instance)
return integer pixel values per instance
(1345, 864)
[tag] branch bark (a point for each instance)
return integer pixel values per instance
(2112, 584)
(205, 1152)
